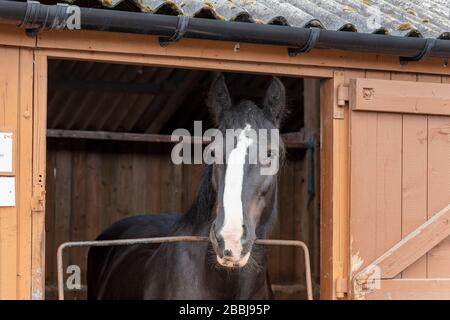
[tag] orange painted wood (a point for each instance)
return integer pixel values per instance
(9, 93)
(334, 188)
(431, 79)
(15, 222)
(413, 246)
(414, 183)
(414, 162)
(363, 188)
(126, 44)
(374, 155)
(388, 180)
(13, 36)
(438, 188)
(24, 175)
(400, 96)
(196, 62)
(39, 173)
(327, 254)
(411, 289)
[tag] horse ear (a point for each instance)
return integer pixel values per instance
(218, 98)
(275, 100)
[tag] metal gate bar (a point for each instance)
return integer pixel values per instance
(124, 242)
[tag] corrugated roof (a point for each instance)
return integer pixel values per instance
(98, 96)
(426, 18)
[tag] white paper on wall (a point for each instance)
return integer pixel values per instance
(7, 191)
(6, 152)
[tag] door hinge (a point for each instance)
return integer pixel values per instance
(342, 99)
(341, 287)
(343, 95)
(38, 198)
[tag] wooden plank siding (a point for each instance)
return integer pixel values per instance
(400, 167)
(16, 101)
(96, 183)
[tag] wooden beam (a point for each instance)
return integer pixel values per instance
(410, 248)
(222, 55)
(410, 289)
(400, 96)
(292, 141)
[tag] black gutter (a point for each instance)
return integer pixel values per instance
(12, 12)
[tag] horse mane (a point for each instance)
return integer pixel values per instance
(201, 210)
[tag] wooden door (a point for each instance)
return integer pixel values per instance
(399, 189)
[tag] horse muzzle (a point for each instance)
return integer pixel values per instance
(232, 249)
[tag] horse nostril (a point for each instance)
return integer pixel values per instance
(228, 253)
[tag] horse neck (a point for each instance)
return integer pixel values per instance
(200, 215)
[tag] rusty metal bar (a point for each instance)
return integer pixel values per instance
(124, 242)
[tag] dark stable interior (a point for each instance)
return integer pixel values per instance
(94, 179)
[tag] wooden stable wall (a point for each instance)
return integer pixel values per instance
(16, 108)
(91, 184)
(23, 105)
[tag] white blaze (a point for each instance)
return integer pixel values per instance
(232, 196)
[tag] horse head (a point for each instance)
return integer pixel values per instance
(245, 181)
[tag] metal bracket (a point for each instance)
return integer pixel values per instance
(38, 198)
(314, 34)
(341, 287)
(429, 45)
(183, 22)
(343, 95)
(342, 100)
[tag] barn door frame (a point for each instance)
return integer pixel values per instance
(333, 134)
(38, 178)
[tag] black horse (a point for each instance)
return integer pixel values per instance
(235, 205)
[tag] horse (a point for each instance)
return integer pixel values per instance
(235, 205)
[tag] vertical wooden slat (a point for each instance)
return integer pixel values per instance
(94, 204)
(363, 208)
(426, 260)
(63, 201)
(308, 214)
(375, 182)
(413, 195)
(438, 189)
(388, 178)
(155, 180)
(139, 177)
(301, 228)
(285, 217)
(342, 160)
(79, 206)
(388, 181)
(124, 188)
(327, 235)
(414, 189)
(39, 154)
(24, 173)
(9, 105)
(50, 221)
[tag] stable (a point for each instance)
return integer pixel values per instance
(86, 117)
